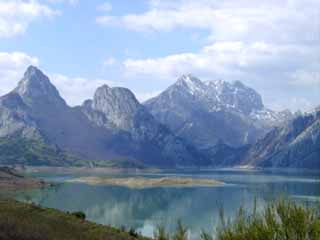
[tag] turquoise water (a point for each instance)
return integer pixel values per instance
(197, 207)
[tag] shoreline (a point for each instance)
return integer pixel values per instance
(83, 170)
(12, 179)
(143, 182)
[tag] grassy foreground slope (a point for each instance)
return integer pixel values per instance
(21, 221)
(279, 221)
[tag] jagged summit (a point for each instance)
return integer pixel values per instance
(115, 101)
(34, 77)
(188, 78)
(238, 84)
(117, 105)
(33, 70)
(209, 111)
(106, 92)
(190, 83)
(35, 87)
(218, 94)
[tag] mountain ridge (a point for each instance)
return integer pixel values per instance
(192, 123)
(295, 145)
(189, 105)
(111, 126)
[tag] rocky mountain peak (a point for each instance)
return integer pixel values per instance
(189, 79)
(220, 94)
(198, 111)
(118, 105)
(35, 87)
(238, 84)
(106, 95)
(190, 84)
(32, 70)
(241, 97)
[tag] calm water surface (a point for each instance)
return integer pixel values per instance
(197, 207)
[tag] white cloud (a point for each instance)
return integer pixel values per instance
(106, 20)
(229, 20)
(304, 78)
(274, 46)
(71, 2)
(143, 96)
(226, 59)
(12, 67)
(294, 103)
(105, 7)
(16, 15)
(109, 61)
(269, 68)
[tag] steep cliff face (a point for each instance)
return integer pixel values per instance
(14, 118)
(295, 145)
(206, 113)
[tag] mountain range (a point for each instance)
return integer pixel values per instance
(294, 145)
(192, 123)
(113, 126)
(206, 113)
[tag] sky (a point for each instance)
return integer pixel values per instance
(145, 45)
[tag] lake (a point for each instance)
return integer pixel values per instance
(197, 207)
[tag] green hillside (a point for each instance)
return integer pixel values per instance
(21, 221)
(31, 152)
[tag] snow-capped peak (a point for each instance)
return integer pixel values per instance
(193, 84)
(189, 79)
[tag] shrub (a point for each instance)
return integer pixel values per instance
(181, 232)
(161, 234)
(283, 220)
(79, 214)
(133, 233)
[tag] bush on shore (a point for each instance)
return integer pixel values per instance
(282, 220)
(80, 215)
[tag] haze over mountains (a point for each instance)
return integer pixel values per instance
(192, 123)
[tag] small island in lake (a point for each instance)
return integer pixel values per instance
(143, 182)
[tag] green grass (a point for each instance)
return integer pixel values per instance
(282, 220)
(21, 221)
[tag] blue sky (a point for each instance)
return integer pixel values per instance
(272, 46)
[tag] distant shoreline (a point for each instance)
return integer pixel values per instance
(13, 180)
(26, 169)
(74, 170)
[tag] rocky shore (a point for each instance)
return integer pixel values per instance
(12, 179)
